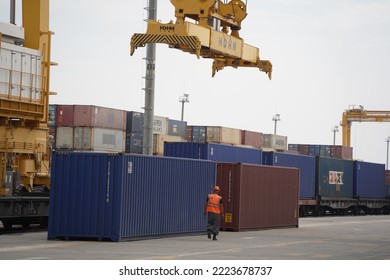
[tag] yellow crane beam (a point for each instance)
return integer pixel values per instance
(360, 115)
(201, 39)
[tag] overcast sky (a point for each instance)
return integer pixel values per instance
(326, 55)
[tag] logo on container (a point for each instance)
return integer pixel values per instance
(336, 178)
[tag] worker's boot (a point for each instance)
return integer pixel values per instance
(209, 234)
(215, 237)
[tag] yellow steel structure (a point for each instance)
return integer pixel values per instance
(221, 42)
(359, 114)
(24, 108)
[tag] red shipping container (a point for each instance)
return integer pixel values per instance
(64, 115)
(341, 152)
(252, 138)
(95, 116)
(387, 178)
(257, 196)
(304, 149)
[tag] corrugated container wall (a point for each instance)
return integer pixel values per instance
(64, 137)
(159, 140)
(213, 151)
(134, 122)
(252, 138)
(95, 116)
(99, 139)
(341, 152)
(387, 182)
(334, 177)
(177, 128)
(219, 134)
(199, 134)
(273, 141)
(369, 180)
(160, 125)
(306, 165)
(134, 142)
(258, 197)
(117, 197)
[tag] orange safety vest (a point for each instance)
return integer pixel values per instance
(213, 204)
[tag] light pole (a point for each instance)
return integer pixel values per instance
(387, 153)
(276, 119)
(183, 99)
(334, 130)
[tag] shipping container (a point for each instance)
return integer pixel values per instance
(324, 151)
(134, 142)
(159, 140)
(101, 117)
(276, 142)
(64, 115)
(293, 147)
(252, 138)
(160, 125)
(177, 128)
(99, 139)
(334, 178)
(304, 149)
(258, 197)
(51, 122)
(199, 134)
(189, 133)
(225, 135)
(387, 177)
(341, 152)
(306, 165)
(213, 151)
(134, 122)
(314, 150)
(369, 180)
(64, 137)
(118, 197)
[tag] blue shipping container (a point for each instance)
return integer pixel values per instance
(116, 197)
(306, 165)
(369, 180)
(334, 177)
(213, 151)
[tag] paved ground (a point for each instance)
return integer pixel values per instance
(325, 238)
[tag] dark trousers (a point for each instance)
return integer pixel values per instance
(213, 223)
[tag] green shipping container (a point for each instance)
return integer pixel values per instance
(334, 178)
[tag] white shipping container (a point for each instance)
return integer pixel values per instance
(99, 139)
(277, 142)
(158, 142)
(64, 137)
(20, 72)
(160, 125)
(219, 134)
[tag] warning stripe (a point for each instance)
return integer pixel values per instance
(139, 40)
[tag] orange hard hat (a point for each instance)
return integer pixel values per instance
(216, 188)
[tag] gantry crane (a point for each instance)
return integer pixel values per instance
(24, 108)
(214, 35)
(359, 114)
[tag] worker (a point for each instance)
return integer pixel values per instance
(213, 208)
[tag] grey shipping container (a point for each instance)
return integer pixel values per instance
(118, 197)
(134, 142)
(334, 178)
(99, 139)
(199, 134)
(177, 128)
(134, 122)
(258, 197)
